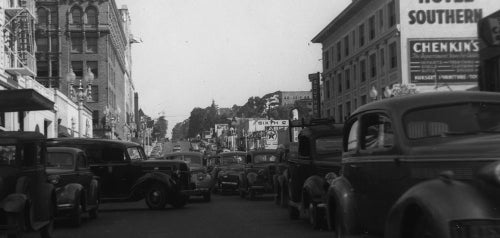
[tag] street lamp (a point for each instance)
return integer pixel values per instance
(373, 93)
(112, 118)
(80, 92)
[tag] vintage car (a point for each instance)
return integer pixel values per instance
(257, 177)
(280, 178)
(27, 199)
(77, 188)
(227, 169)
(425, 165)
(126, 174)
(319, 154)
(201, 180)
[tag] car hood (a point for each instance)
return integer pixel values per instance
(233, 167)
(197, 168)
(52, 171)
(478, 146)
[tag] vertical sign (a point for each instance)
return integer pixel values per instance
(314, 79)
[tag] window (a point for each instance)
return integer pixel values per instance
(347, 76)
(353, 139)
(76, 43)
(392, 13)
(339, 51)
(381, 18)
(346, 45)
(53, 17)
(340, 113)
(326, 59)
(77, 68)
(43, 17)
(376, 132)
(42, 69)
(361, 35)
(91, 40)
(134, 153)
(94, 68)
(371, 26)
(91, 14)
(61, 160)
(42, 44)
(76, 16)
(362, 70)
(54, 44)
(95, 116)
(94, 94)
(327, 88)
(382, 58)
(353, 37)
(339, 80)
(54, 67)
(393, 55)
(373, 65)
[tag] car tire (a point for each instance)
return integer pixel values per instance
(293, 212)
(76, 216)
(156, 196)
(207, 197)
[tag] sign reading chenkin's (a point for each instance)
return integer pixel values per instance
(443, 60)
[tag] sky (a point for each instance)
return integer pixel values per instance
(196, 51)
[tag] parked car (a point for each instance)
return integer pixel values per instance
(257, 177)
(319, 157)
(127, 175)
(27, 199)
(176, 148)
(280, 178)
(77, 188)
(227, 170)
(201, 180)
(420, 166)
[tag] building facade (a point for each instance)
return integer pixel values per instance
(89, 40)
(372, 46)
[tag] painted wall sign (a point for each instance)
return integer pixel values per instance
(443, 60)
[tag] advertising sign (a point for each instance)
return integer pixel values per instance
(271, 140)
(316, 94)
(261, 125)
(443, 60)
(219, 128)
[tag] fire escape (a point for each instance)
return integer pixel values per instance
(19, 38)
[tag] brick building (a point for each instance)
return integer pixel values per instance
(90, 35)
(372, 46)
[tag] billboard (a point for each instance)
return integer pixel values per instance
(451, 60)
(316, 94)
(220, 128)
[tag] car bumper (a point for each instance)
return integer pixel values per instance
(196, 191)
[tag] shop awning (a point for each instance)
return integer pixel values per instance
(23, 100)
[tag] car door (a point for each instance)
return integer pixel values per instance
(112, 169)
(82, 171)
(300, 168)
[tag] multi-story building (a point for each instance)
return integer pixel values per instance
(372, 46)
(288, 98)
(75, 38)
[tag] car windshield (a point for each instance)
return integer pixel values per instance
(135, 153)
(60, 160)
(455, 119)
(7, 154)
(264, 158)
(232, 159)
(329, 145)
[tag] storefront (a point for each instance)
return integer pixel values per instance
(489, 53)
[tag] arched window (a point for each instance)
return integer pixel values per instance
(76, 15)
(43, 18)
(91, 13)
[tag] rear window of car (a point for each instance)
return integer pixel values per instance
(264, 158)
(329, 146)
(454, 119)
(232, 159)
(60, 160)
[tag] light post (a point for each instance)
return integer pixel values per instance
(112, 118)
(82, 93)
(374, 93)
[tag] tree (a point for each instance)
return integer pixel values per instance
(196, 122)
(180, 130)
(160, 128)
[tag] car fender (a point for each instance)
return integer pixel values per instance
(148, 178)
(314, 188)
(15, 202)
(68, 193)
(340, 198)
(442, 200)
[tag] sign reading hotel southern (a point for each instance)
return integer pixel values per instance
(443, 60)
(440, 39)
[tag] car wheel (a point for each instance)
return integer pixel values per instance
(156, 196)
(76, 216)
(293, 212)
(207, 197)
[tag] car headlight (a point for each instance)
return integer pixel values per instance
(251, 177)
(53, 179)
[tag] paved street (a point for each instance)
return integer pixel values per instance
(224, 216)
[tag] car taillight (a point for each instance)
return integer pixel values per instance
(475, 229)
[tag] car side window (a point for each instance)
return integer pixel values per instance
(134, 153)
(29, 155)
(353, 138)
(376, 132)
(113, 155)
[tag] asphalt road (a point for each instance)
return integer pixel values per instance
(224, 216)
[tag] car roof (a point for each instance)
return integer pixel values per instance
(64, 149)
(405, 103)
(183, 153)
(21, 135)
(233, 153)
(256, 152)
(322, 130)
(92, 141)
